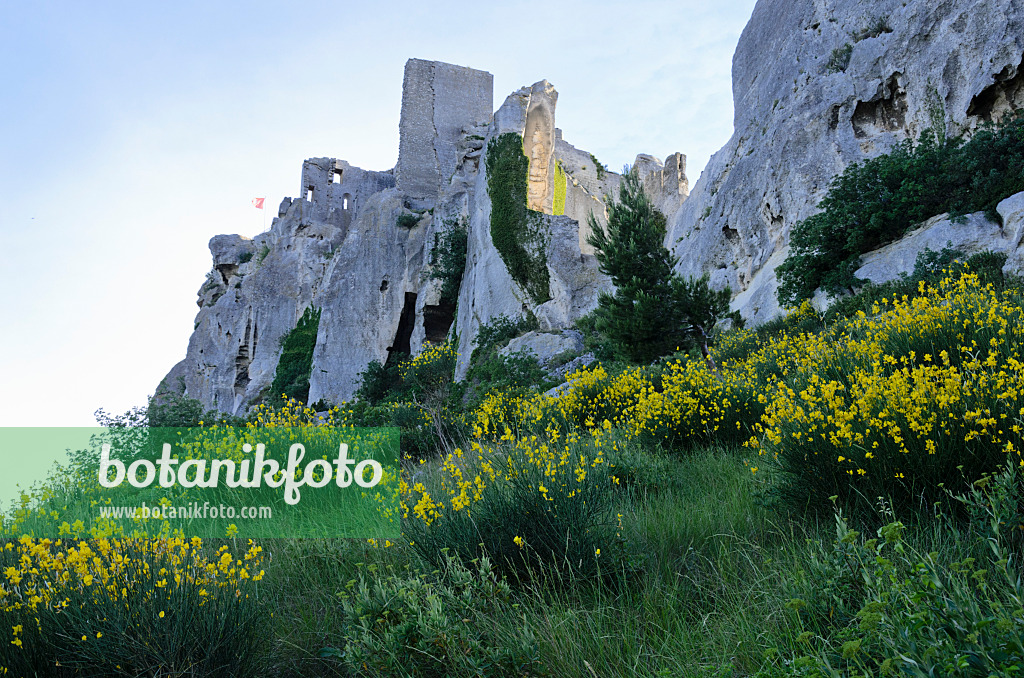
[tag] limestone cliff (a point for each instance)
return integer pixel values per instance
(821, 84)
(356, 244)
(817, 85)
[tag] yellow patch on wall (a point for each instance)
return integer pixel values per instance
(561, 185)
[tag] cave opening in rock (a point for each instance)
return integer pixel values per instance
(437, 320)
(1004, 95)
(885, 114)
(403, 335)
(243, 357)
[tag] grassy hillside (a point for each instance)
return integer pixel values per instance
(840, 497)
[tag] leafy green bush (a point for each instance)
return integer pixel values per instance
(501, 329)
(489, 370)
(881, 607)
(379, 383)
(419, 396)
(513, 372)
(296, 362)
(245, 257)
(875, 202)
(839, 59)
(171, 409)
(448, 258)
(407, 220)
(515, 229)
(594, 340)
(403, 624)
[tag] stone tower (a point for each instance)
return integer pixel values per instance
(439, 100)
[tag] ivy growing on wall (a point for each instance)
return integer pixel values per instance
(515, 229)
(296, 363)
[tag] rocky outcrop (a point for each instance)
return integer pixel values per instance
(817, 86)
(575, 281)
(975, 233)
(356, 244)
(545, 345)
(820, 85)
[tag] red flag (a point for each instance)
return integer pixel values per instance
(257, 203)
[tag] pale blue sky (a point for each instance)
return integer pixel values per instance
(132, 132)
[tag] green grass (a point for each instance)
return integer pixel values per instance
(710, 592)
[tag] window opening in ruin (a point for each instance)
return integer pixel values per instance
(346, 201)
(309, 194)
(336, 178)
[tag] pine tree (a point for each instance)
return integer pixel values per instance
(654, 311)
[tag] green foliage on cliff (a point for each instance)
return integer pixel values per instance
(296, 363)
(515, 229)
(448, 258)
(875, 202)
(839, 59)
(407, 220)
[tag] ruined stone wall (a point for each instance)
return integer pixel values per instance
(438, 101)
(333, 189)
(586, 188)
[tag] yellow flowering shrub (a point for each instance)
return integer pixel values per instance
(919, 392)
(525, 501)
(925, 391)
(134, 607)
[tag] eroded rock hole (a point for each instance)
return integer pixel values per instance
(833, 118)
(1003, 96)
(226, 271)
(383, 285)
(403, 334)
(437, 320)
(885, 114)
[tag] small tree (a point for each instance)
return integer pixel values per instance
(654, 310)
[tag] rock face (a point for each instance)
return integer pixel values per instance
(974, 234)
(545, 345)
(356, 244)
(820, 85)
(488, 289)
(816, 86)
